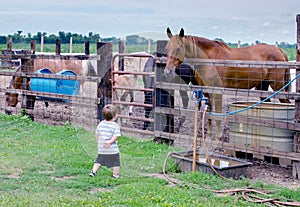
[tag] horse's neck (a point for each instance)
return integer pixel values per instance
(193, 49)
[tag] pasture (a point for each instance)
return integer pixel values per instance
(48, 166)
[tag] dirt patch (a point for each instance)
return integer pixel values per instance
(15, 175)
(272, 174)
(63, 178)
(99, 190)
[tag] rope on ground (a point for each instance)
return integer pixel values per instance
(164, 170)
(249, 194)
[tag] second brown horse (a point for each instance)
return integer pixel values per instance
(181, 46)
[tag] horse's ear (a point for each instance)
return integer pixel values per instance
(169, 33)
(181, 33)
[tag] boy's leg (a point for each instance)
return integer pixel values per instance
(116, 171)
(95, 169)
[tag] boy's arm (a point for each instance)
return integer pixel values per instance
(112, 140)
(96, 137)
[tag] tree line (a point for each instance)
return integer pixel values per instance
(65, 37)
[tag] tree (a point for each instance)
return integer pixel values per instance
(3, 40)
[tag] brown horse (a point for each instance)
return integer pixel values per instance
(11, 99)
(80, 67)
(183, 46)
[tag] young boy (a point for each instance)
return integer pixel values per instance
(107, 134)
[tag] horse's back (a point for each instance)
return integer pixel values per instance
(262, 52)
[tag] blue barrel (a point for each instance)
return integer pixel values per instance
(67, 87)
(47, 85)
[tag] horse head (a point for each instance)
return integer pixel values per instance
(175, 51)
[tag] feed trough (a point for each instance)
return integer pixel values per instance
(226, 166)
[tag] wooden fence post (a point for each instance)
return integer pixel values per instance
(58, 47)
(9, 44)
(42, 43)
(27, 101)
(121, 59)
(7, 61)
(104, 87)
(161, 46)
(33, 46)
(87, 47)
(164, 98)
(296, 165)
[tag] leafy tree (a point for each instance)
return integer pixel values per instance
(3, 40)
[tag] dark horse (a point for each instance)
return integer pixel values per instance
(11, 99)
(165, 98)
(183, 46)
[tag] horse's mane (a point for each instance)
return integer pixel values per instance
(204, 43)
(207, 42)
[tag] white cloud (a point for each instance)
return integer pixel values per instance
(285, 32)
(215, 27)
(242, 18)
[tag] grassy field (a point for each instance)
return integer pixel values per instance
(79, 48)
(49, 166)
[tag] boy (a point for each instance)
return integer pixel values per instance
(107, 134)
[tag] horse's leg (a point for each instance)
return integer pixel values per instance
(147, 100)
(131, 100)
(125, 108)
(210, 108)
(27, 102)
(219, 109)
(215, 101)
(169, 127)
(277, 86)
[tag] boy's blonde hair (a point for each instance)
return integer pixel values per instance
(109, 112)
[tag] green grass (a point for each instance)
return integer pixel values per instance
(48, 166)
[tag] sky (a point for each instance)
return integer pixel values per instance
(230, 20)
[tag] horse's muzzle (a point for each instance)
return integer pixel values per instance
(169, 72)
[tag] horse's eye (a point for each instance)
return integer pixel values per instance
(7, 99)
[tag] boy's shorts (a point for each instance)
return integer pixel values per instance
(108, 160)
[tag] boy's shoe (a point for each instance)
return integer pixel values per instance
(117, 176)
(92, 174)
